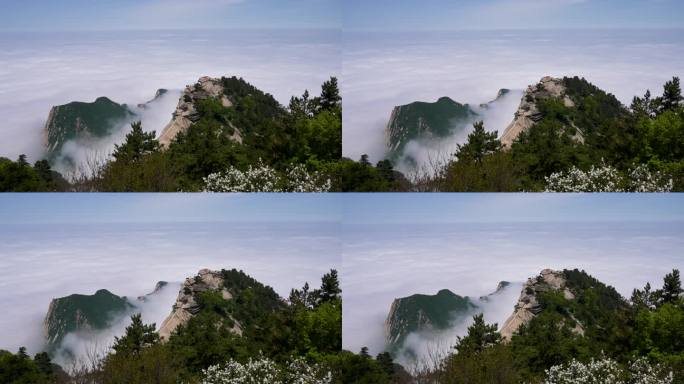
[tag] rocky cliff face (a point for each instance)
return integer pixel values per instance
(423, 313)
(76, 313)
(528, 112)
(86, 121)
(528, 305)
(78, 120)
(430, 313)
(186, 112)
(186, 305)
(421, 120)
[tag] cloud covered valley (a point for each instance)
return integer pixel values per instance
(385, 69)
(45, 261)
(387, 261)
(39, 70)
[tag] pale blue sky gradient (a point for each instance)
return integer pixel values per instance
(504, 207)
(168, 14)
(510, 14)
(166, 208)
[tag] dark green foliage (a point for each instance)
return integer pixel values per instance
(361, 176)
(19, 368)
(493, 365)
(348, 367)
(20, 176)
(496, 172)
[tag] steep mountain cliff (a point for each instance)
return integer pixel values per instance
(186, 305)
(582, 302)
(79, 120)
(528, 305)
(77, 313)
(529, 113)
(234, 296)
(86, 121)
(430, 121)
(187, 113)
(82, 313)
(437, 312)
(424, 120)
(424, 312)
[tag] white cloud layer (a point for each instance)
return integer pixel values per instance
(383, 70)
(384, 262)
(39, 262)
(39, 70)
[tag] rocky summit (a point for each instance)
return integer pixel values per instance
(187, 306)
(186, 112)
(528, 112)
(529, 306)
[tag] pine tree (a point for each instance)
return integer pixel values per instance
(138, 143)
(137, 336)
(330, 95)
(672, 95)
(480, 143)
(480, 336)
(672, 287)
(330, 287)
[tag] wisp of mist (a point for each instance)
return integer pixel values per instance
(386, 69)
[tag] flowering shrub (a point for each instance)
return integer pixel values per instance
(607, 371)
(606, 178)
(263, 178)
(265, 371)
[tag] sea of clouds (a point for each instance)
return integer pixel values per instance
(40, 262)
(388, 261)
(39, 70)
(385, 69)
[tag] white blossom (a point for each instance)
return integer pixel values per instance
(607, 371)
(606, 178)
(264, 178)
(266, 371)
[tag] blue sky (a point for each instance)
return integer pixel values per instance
(504, 207)
(106, 208)
(167, 14)
(511, 14)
